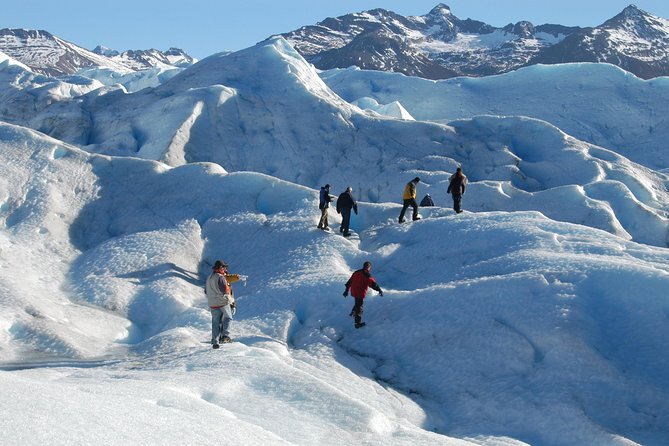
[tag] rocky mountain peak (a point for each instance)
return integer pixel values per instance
(524, 29)
(640, 24)
(104, 51)
(631, 14)
(441, 10)
(21, 33)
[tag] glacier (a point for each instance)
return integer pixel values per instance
(537, 316)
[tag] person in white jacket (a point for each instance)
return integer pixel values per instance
(221, 302)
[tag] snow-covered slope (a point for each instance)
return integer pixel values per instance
(5, 60)
(24, 95)
(537, 316)
(494, 327)
(233, 110)
(597, 103)
(130, 82)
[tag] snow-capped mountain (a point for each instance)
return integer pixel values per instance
(47, 54)
(143, 59)
(439, 45)
(634, 40)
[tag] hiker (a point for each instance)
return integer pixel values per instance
(221, 302)
(359, 282)
(456, 187)
(345, 203)
(324, 206)
(426, 201)
(410, 199)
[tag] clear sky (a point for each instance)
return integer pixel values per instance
(205, 27)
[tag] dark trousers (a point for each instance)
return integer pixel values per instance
(407, 203)
(356, 312)
(345, 220)
(457, 201)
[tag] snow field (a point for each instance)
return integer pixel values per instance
(536, 316)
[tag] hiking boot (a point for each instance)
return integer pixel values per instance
(215, 346)
(402, 221)
(347, 234)
(417, 218)
(361, 324)
(226, 340)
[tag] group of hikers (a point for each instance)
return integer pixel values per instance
(346, 203)
(222, 305)
(218, 287)
(456, 187)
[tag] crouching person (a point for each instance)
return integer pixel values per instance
(221, 302)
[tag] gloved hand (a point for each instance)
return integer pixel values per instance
(345, 293)
(380, 293)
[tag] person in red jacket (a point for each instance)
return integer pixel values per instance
(358, 284)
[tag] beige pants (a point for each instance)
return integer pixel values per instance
(323, 222)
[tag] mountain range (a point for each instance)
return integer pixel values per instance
(439, 45)
(50, 55)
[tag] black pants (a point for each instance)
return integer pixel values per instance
(356, 312)
(407, 203)
(457, 201)
(345, 220)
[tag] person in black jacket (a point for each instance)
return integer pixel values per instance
(426, 201)
(456, 188)
(345, 203)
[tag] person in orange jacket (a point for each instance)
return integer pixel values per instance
(409, 198)
(221, 302)
(358, 284)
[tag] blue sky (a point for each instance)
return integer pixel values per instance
(206, 27)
